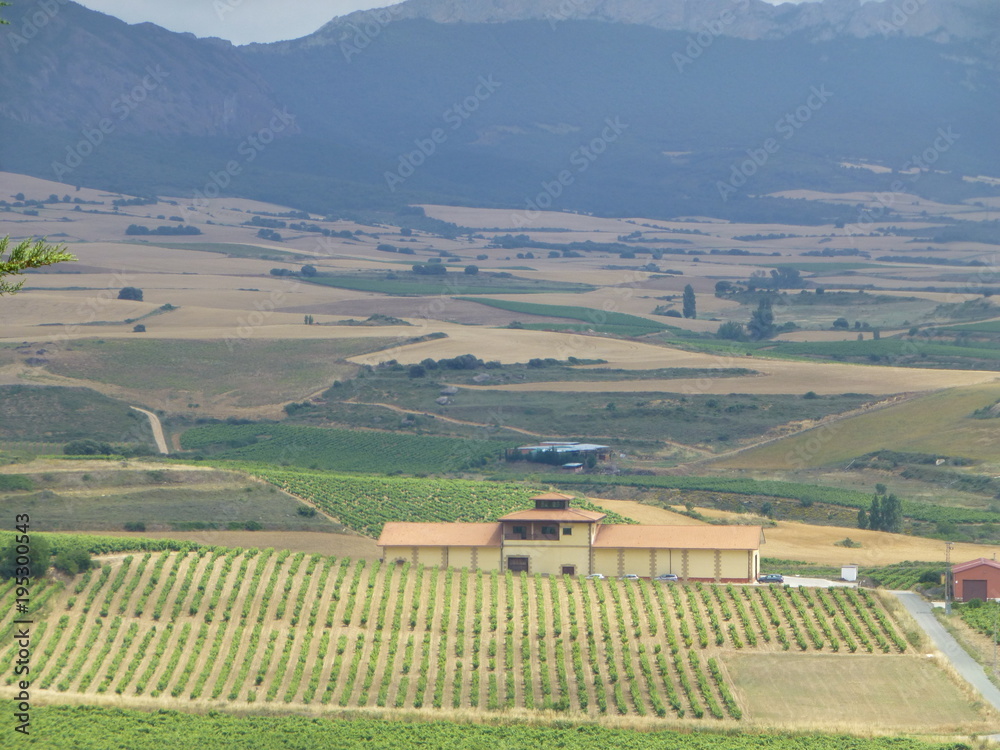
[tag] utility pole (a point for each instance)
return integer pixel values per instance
(947, 577)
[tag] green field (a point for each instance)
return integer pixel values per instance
(771, 488)
(232, 249)
(452, 283)
(92, 728)
(899, 352)
(591, 318)
(715, 422)
(938, 423)
(366, 503)
(343, 450)
(52, 414)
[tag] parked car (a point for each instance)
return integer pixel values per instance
(596, 576)
(666, 577)
(629, 577)
(771, 578)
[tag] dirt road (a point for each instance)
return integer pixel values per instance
(154, 423)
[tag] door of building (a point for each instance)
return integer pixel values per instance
(517, 564)
(973, 590)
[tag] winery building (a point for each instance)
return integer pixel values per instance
(555, 538)
(977, 579)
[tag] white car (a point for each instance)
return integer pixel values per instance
(596, 576)
(629, 577)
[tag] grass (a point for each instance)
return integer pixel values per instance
(162, 499)
(343, 450)
(718, 422)
(249, 371)
(53, 414)
(892, 692)
(938, 423)
(452, 283)
(234, 249)
(899, 352)
(591, 318)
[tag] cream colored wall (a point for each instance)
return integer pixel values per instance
(606, 561)
(734, 563)
(549, 557)
(701, 563)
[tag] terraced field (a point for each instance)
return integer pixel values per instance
(241, 627)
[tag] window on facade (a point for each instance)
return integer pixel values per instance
(520, 530)
(550, 530)
(554, 504)
(567, 531)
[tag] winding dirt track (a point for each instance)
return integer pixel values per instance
(154, 423)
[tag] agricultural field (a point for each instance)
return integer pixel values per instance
(100, 495)
(938, 423)
(365, 503)
(60, 415)
(342, 450)
(215, 627)
(89, 727)
(453, 282)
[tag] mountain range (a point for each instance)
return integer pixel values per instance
(619, 107)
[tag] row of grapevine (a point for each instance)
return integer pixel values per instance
(266, 626)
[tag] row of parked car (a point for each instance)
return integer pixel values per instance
(670, 577)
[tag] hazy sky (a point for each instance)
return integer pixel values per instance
(239, 21)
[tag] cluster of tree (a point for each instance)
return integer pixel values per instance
(884, 514)
(309, 320)
(135, 201)
(38, 557)
(269, 234)
(385, 247)
(88, 447)
(260, 221)
(430, 269)
(164, 230)
(689, 302)
(130, 292)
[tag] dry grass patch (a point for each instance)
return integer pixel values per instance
(901, 693)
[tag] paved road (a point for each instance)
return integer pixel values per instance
(966, 666)
(824, 583)
(154, 422)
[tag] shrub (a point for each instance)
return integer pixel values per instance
(130, 292)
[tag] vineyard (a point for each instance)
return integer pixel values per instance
(275, 628)
(365, 503)
(982, 617)
(90, 728)
(343, 450)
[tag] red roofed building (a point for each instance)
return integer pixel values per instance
(976, 579)
(557, 539)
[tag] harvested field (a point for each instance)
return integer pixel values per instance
(894, 693)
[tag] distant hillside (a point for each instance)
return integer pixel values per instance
(616, 108)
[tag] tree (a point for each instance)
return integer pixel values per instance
(34, 556)
(130, 292)
(841, 323)
(875, 513)
(72, 560)
(139, 328)
(892, 514)
(27, 254)
(308, 270)
(761, 325)
(732, 330)
(862, 519)
(472, 270)
(689, 302)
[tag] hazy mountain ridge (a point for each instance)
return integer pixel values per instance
(365, 92)
(84, 66)
(940, 20)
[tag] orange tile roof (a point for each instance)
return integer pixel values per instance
(554, 514)
(679, 537)
(405, 534)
